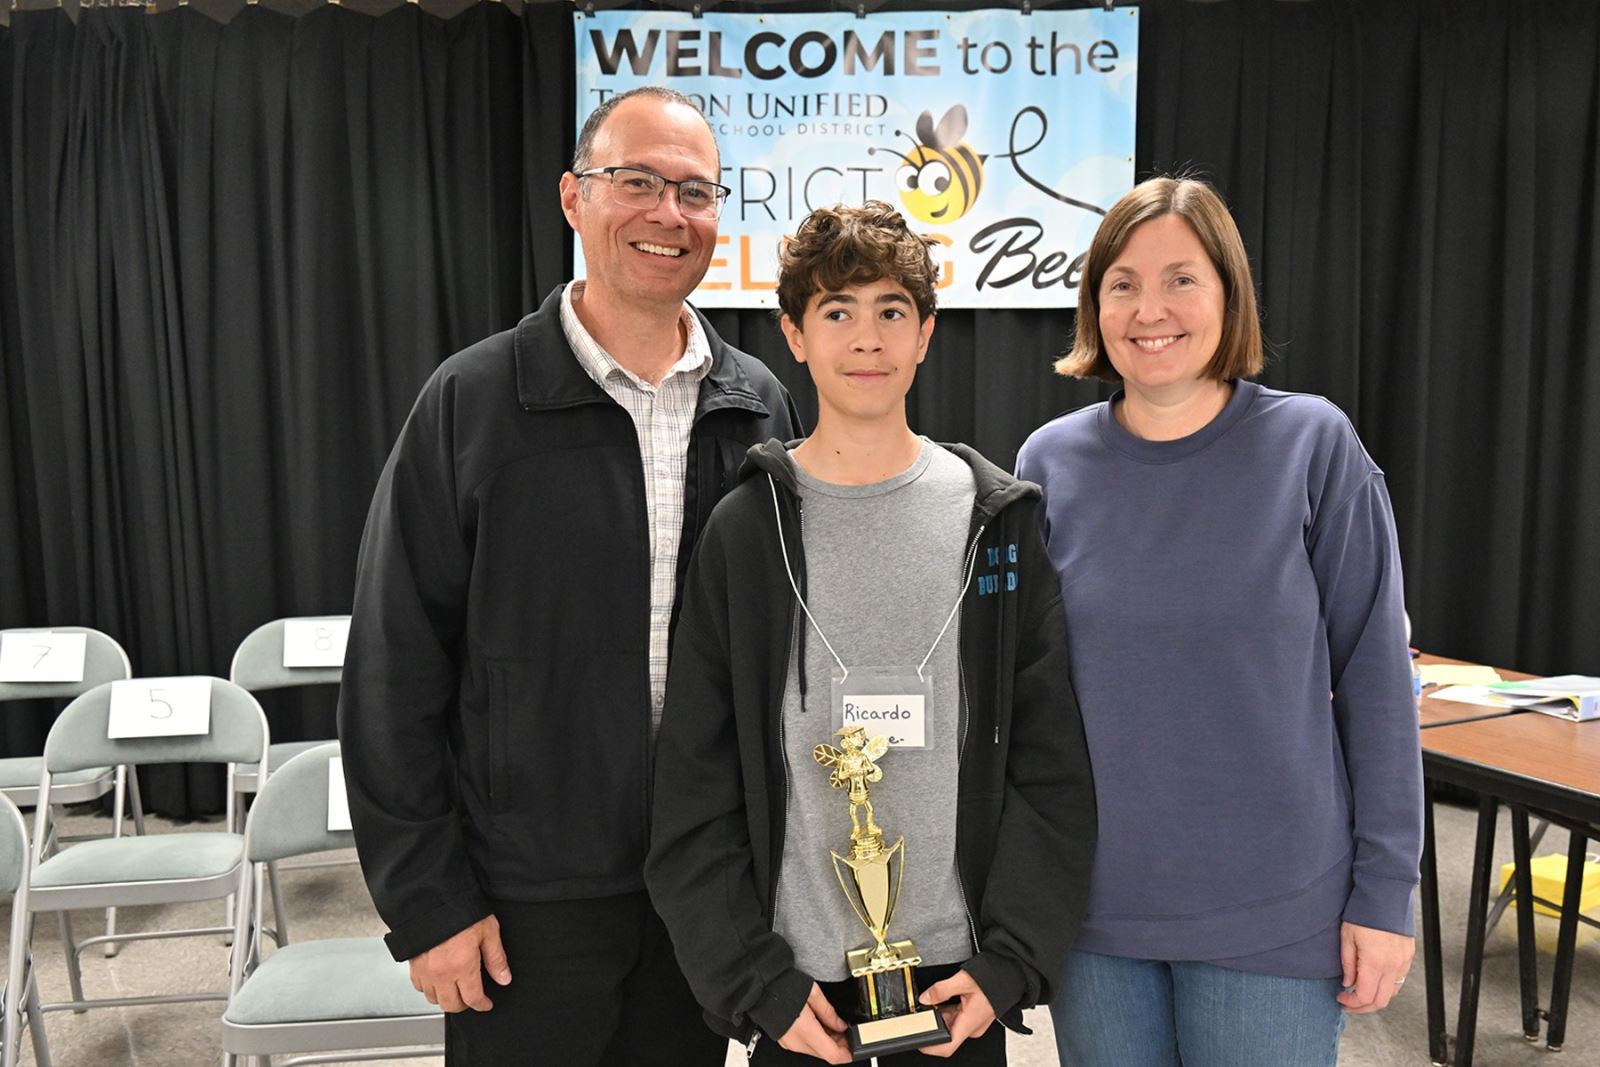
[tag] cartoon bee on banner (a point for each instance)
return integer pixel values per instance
(942, 176)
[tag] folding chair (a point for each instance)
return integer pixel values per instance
(153, 869)
(103, 661)
(20, 997)
(328, 996)
(258, 666)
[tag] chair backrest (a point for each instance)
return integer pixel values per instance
(290, 814)
(103, 661)
(13, 846)
(258, 661)
(78, 739)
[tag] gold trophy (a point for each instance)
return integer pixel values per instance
(890, 1019)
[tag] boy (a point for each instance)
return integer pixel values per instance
(916, 567)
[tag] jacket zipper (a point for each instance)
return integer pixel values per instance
(783, 740)
(961, 747)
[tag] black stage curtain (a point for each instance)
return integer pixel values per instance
(230, 254)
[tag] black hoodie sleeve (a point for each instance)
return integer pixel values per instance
(701, 870)
(1037, 888)
(400, 687)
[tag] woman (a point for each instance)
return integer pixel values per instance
(1232, 587)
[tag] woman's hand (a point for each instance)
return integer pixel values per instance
(969, 1017)
(1375, 965)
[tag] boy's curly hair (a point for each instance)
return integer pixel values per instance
(837, 247)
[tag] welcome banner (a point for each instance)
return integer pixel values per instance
(1003, 137)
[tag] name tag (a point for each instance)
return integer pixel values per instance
(159, 707)
(888, 702)
(42, 656)
(338, 799)
(315, 642)
(901, 718)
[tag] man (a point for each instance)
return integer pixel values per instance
(515, 593)
(918, 569)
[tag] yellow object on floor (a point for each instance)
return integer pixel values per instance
(1549, 883)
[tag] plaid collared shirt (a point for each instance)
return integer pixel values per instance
(663, 415)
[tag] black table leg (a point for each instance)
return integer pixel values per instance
(1566, 942)
(1432, 957)
(1477, 916)
(1527, 958)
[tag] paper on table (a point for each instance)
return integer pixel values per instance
(1457, 674)
(1560, 686)
(1467, 694)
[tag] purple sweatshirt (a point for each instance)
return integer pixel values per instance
(1218, 588)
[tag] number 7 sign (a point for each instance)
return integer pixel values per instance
(41, 656)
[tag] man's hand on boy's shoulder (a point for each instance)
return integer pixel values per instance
(818, 1031)
(967, 1013)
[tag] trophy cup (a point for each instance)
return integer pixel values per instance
(889, 1018)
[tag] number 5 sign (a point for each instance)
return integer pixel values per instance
(159, 707)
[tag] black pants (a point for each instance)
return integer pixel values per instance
(986, 1051)
(593, 982)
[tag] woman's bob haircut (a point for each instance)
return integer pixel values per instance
(1239, 352)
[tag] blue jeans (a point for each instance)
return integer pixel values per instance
(1115, 1012)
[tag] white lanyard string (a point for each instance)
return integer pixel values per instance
(783, 547)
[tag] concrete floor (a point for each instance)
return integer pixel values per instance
(332, 902)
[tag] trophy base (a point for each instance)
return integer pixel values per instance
(898, 1033)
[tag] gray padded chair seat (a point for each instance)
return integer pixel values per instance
(142, 859)
(335, 978)
(22, 772)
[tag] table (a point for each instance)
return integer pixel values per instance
(1533, 763)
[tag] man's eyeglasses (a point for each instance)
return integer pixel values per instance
(632, 187)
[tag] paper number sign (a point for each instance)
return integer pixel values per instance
(159, 707)
(338, 799)
(41, 656)
(315, 642)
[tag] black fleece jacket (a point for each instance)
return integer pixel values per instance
(495, 709)
(1025, 814)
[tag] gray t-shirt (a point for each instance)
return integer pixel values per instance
(883, 571)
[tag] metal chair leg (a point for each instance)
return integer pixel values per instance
(41, 1041)
(119, 800)
(137, 802)
(280, 918)
(18, 974)
(52, 841)
(69, 946)
(228, 817)
(16, 965)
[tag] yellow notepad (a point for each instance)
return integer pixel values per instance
(1458, 674)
